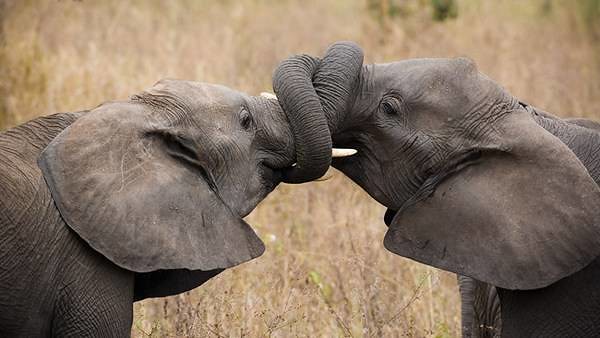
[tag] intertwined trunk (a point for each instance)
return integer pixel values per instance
(314, 93)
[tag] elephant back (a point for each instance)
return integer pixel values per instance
(21, 181)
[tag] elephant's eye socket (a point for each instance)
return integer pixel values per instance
(390, 106)
(246, 119)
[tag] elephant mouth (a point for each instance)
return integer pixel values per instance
(269, 179)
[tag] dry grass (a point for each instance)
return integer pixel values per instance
(325, 272)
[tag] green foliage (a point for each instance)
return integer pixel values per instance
(324, 288)
(590, 10)
(384, 10)
(444, 9)
(443, 331)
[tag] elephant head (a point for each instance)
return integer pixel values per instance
(163, 180)
(472, 183)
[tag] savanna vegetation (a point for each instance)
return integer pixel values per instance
(325, 271)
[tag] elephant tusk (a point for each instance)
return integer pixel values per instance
(269, 96)
(339, 152)
(342, 152)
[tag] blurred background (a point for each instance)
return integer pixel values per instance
(325, 271)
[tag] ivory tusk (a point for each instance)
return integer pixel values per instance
(269, 96)
(342, 152)
(339, 152)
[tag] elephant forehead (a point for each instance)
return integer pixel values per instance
(428, 79)
(442, 88)
(429, 68)
(199, 95)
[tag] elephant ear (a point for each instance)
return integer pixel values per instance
(118, 183)
(524, 216)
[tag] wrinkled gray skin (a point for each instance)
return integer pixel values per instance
(133, 199)
(475, 182)
(480, 303)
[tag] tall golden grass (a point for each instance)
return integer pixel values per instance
(325, 272)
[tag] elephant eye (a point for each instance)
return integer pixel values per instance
(387, 108)
(246, 119)
(390, 106)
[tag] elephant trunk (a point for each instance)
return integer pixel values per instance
(293, 87)
(336, 79)
(314, 94)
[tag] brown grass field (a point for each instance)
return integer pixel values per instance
(325, 272)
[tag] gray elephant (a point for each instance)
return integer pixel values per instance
(480, 302)
(130, 200)
(475, 182)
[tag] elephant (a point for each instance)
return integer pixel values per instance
(480, 303)
(133, 199)
(475, 182)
